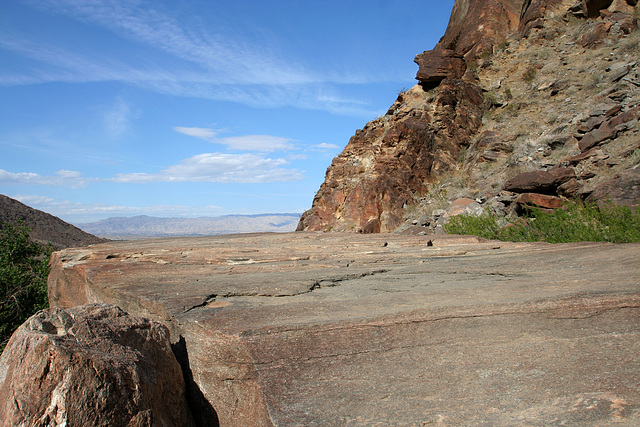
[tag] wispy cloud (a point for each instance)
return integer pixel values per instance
(117, 118)
(86, 212)
(258, 143)
(203, 133)
(65, 178)
(220, 167)
(206, 167)
(325, 147)
(201, 63)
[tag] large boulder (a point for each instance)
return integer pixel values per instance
(531, 182)
(622, 189)
(92, 365)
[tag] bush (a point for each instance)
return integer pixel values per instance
(24, 266)
(576, 222)
(485, 226)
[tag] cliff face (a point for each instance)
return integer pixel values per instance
(394, 157)
(457, 119)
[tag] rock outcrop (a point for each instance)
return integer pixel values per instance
(514, 86)
(394, 158)
(92, 365)
(324, 329)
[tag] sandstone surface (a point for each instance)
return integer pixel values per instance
(344, 329)
(93, 365)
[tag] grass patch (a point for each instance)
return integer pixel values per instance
(576, 222)
(24, 267)
(485, 225)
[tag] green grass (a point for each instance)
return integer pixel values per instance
(576, 222)
(24, 266)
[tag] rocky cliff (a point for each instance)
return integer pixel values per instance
(514, 90)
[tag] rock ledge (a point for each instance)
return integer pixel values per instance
(385, 329)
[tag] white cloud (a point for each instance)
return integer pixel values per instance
(202, 133)
(220, 167)
(66, 178)
(325, 146)
(206, 167)
(259, 143)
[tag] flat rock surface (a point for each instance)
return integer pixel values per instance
(347, 329)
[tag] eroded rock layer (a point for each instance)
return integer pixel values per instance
(391, 159)
(349, 329)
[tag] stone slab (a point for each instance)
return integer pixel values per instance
(311, 329)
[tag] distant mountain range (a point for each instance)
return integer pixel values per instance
(146, 226)
(44, 227)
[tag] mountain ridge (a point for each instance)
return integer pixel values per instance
(149, 226)
(45, 228)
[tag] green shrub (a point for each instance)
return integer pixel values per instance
(508, 94)
(24, 266)
(485, 225)
(576, 222)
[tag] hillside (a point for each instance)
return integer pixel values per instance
(145, 226)
(45, 227)
(521, 102)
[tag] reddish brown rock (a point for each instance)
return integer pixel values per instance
(594, 35)
(594, 154)
(626, 21)
(90, 366)
(436, 66)
(458, 206)
(531, 182)
(534, 11)
(622, 189)
(474, 27)
(605, 132)
(324, 329)
(541, 200)
(391, 161)
(625, 117)
(569, 189)
(593, 7)
(562, 174)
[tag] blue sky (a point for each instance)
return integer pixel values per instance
(194, 108)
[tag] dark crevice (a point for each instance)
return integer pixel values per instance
(207, 300)
(328, 282)
(204, 415)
